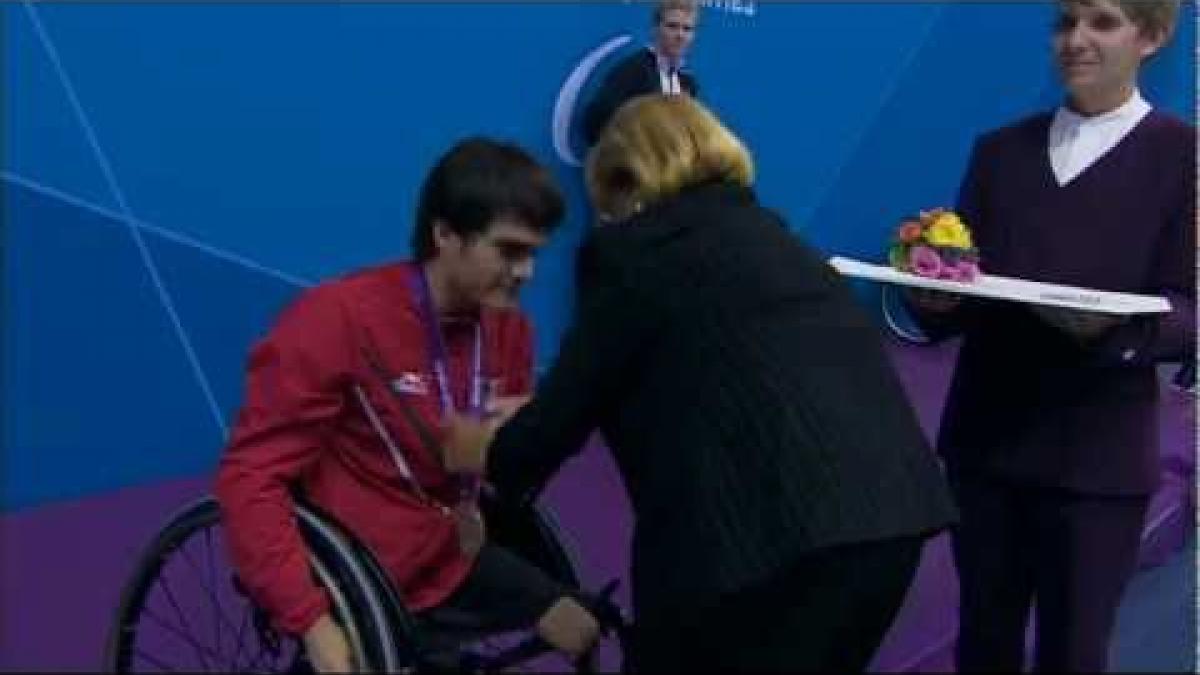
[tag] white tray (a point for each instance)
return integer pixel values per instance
(1007, 288)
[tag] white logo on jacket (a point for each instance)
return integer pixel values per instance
(410, 383)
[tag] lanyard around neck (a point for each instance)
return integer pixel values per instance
(469, 487)
(439, 361)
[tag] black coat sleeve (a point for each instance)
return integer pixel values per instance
(583, 385)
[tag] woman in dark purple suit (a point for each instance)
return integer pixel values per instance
(1050, 427)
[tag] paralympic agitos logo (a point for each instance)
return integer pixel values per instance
(565, 106)
(568, 96)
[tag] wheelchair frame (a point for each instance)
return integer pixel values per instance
(382, 634)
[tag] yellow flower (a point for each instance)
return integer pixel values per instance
(948, 230)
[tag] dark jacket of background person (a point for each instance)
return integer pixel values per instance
(633, 76)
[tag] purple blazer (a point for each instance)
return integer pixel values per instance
(1027, 402)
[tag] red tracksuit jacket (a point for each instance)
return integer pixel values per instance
(301, 423)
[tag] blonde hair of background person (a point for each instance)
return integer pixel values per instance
(656, 145)
(689, 6)
(1152, 17)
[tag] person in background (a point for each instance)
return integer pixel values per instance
(658, 68)
(1050, 428)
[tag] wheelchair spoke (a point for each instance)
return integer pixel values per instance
(212, 583)
(254, 661)
(153, 661)
(211, 594)
(240, 634)
(244, 656)
(201, 650)
(266, 655)
(261, 660)
(241, 660)
(179, 612)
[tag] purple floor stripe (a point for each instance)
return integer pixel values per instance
(61, 571)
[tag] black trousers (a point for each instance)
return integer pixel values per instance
(503, 592)
(827, 612)
(1067, 555)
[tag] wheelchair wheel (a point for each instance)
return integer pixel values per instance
(184, 609)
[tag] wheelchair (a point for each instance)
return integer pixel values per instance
(184, 609)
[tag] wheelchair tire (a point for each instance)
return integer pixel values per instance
(362, 601)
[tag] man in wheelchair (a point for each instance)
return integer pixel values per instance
(366, 389)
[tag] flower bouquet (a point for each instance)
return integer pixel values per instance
(935, 244)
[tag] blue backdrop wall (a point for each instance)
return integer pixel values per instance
(174, 173)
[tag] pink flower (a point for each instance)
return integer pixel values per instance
(968, 270)
(951, 273)
(924, 261)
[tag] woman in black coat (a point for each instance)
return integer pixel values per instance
(781, 485)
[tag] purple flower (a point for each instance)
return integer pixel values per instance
(951, 273)
(924, 261)
(968, 270)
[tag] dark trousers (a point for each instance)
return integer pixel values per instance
(1069, 556)
(827, 613)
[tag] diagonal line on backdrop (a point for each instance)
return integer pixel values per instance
(885, 97)
(126, 216)
(169, 235)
